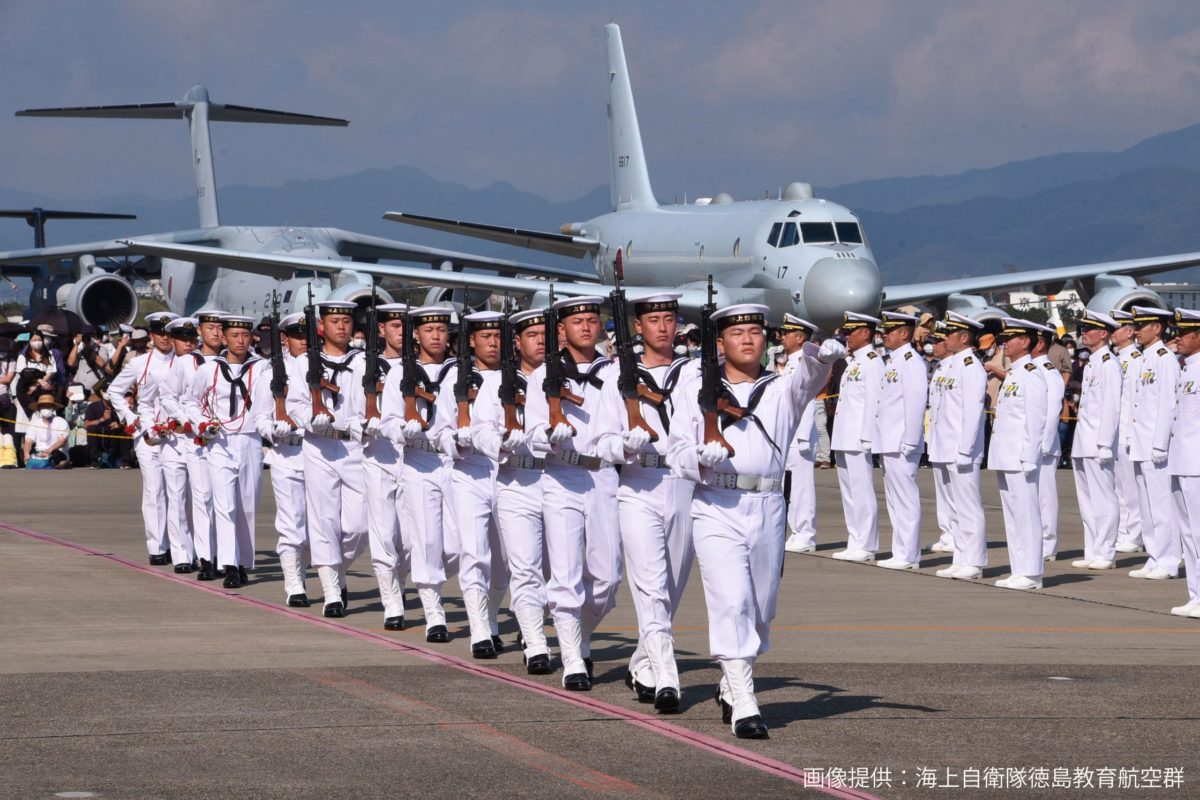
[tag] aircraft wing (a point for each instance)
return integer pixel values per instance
(361, 247)
(902, 294)
(558, 243)
(283, 266)
(111, 248)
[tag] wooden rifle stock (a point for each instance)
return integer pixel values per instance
(556, 413)
(510, 414)
(633, 410)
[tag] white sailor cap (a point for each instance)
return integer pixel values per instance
(388, 312)
(1143, 315)
(430, 314)
(326, 307)
(157, 322)
(740, 314)
(209, 315)
(793, 323)
(938, 331)
(854, 320)
(182, 327)
(955, 321)
(527, 319)
(138, 335)
(1094, 319)
(1122, 317)
(1019, 327)
(896, 319)
(294, 323)
(484, 320)
(1187, 319)
(583, 304)
(237, 321)
(650, 303)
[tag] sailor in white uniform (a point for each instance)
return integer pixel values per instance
(935, 344)
(854, 429)
(802, 455)
(1153, 412)
(1051, 450)
(1129, 357)
(900, 436)
(178, 441)
(956, 443)
(738, 511)
(1015, 451)
(1094, 447)
(1183, 461)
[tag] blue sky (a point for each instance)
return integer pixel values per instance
(731, 96)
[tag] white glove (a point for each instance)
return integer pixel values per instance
(907, 450)
(831, 350)
(265, 433)
(964, 461)
(355, 429)
(635, 440)
(280, 429)
(1104, 454)
(411, 430)
(1159, 457)
(1028, 467)
(462, 438)
(151, 438)
(560, 433)
(515, 439)
(372, 428)
(321, 424)
(712, 454)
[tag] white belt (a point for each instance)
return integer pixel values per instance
(422, 444)
(743, 483)
(650, 461)
(575, 458)
(525, 462)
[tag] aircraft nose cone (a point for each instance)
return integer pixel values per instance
(837, 285)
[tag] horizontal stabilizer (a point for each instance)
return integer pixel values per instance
(558, 243)
(219, 112)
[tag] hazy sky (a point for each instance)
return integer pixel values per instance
(736, 96)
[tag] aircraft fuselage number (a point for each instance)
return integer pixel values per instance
(622, 161)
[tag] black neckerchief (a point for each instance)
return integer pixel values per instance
(522, 387)
(236, 384)
(591, 377)
(756, 394)
(336, 368)
(434, 385)
(668, 385)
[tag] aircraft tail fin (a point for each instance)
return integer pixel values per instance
(196, 108)
(629, 179)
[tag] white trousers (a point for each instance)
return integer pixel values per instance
(1022, 522)
(423, 476)
(903, 504)
(579, 510)
(179, 500)
(335, 502)
(970, 534)
(1047, 480)
(204, 530)
(1160, 532)
(943, 494)
(802, 501)
(482, 566)
(656, 535)
(1096, 488)
(1186, 491)
(822, 453)
(235, 471)
(1130, 527)
(384, 502)
(519, 520)
(856, 476)
(154, 495)
(291, 512)
(739, 545)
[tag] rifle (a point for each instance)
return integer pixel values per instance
(410, 383)
(279, 378)
(315, 377)
(371, 387)
(464, 383)
(555, 383)
(713, 403)
(633, 391)
(510, 398)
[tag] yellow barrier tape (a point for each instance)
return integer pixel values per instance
(33, 424)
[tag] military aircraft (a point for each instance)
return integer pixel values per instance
(100, 294)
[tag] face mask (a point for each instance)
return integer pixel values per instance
(46, 413)
(928, 349)
(1084, 355)
(359, 343)
(35, 345)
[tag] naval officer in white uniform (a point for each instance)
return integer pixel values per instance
(1183, 461)
(1124, 343)
(802, 455)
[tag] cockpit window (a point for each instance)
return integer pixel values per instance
(849, 233)
(773, 239)
(818, 232)
(790, 236)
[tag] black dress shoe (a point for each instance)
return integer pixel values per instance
(751, 728)
(437, 634)
(160, 560)
(539, 665)
(334, 609)
(726, 709)
(645, 694)
(183, 569)
(242, 574)
(520, 640)
(298, 601)
(206, 571)
(483, 649)
(220, 572)
(667, 699)
(393, 624)
(233, 579)
(587, 662)
(498, 644)
(577, 682)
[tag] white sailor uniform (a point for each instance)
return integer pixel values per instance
(854, 428)
(899, 438)
(1129, 532)
(1051, 454)
(183, 457)
(1184, 466)
(1153, 412)
(1093, 450)
(286, 460)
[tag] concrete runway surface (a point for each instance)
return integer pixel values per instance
(121, 680)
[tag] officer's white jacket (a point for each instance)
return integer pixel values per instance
(145, 372)
(208, 396)
(1017, 429)
(760, 452)
(1056, 389)
(858, 401)
(959, 391)
(346, 404)
(1153, 402)
(596, 416)
(1130, 360)
(901, 415)
(1099, 406)
(680, 375)
(1184, 458)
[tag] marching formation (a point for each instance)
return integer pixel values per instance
(531, 463)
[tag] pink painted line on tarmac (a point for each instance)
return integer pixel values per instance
(654, 724)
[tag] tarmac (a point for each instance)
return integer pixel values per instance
(121, 680)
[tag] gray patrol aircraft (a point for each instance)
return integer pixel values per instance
(340, 265)
(795, 253)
